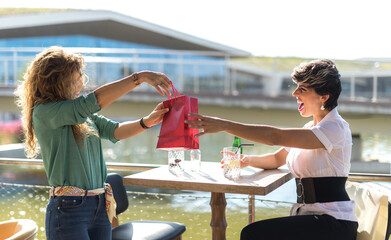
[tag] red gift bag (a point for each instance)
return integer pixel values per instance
(174, 133)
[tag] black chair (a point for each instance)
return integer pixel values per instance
(139, 230)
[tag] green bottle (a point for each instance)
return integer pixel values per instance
(237, 143)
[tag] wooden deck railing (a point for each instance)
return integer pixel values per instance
(110, 165)
(361, 177)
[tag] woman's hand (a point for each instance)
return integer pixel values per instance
(132, 128)
(206, 123)
(156, 116)
(244, 160)
(157, 80)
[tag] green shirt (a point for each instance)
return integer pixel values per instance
(66, 162)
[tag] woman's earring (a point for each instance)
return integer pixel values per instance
(322, 108)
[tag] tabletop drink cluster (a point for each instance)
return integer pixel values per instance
(176, 164)
(232, 157)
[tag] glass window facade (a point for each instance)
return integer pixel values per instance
(384, 89)
(69, 41)
(106, 66)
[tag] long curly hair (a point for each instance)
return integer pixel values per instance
(49, 78)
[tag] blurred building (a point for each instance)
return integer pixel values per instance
(117, 45)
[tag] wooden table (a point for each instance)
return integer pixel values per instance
(252, 182)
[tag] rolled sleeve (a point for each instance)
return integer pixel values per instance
(89, 105)
(84, 106)
(105, 127)
(323, 138)
(110, 130)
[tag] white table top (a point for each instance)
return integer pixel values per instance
(252, 181)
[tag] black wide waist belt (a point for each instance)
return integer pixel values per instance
(322, 189)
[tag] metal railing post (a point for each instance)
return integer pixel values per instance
(234, 77)
(374, 92)
(196, 87)
(6, 75)
(352, 88)
(227, 77)
(94, 72)
(126, 69)
(15, 65)
(181, 84)
(136, 62)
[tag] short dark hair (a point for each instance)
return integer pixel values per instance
(322, 75)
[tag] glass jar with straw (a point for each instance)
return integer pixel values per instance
(232, 159)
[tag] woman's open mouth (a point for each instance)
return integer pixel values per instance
(301, 107)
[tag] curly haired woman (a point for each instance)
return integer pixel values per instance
(69, 132)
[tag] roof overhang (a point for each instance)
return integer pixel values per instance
(107, 24)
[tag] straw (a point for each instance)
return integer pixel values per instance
(244, 144)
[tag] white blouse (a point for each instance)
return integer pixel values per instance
(334, 161)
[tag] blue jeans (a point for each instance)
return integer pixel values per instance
(74, 218)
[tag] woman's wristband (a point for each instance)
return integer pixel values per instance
(143, 124)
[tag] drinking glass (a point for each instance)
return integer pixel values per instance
(175, 162)
(231, 167)
(195, 160)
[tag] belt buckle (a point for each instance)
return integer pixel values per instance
(300, 185)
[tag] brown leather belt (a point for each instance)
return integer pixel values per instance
(321, 189)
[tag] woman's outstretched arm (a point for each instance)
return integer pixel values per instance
(269, 135)
(110, 92)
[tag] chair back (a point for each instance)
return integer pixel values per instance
(119, 192)
(19, 229)
(371, 207)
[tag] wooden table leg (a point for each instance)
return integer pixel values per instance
(251, 208)
(218, 222)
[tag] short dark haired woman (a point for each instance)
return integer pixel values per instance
(318, 155)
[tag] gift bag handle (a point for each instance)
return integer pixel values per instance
(175, 91)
